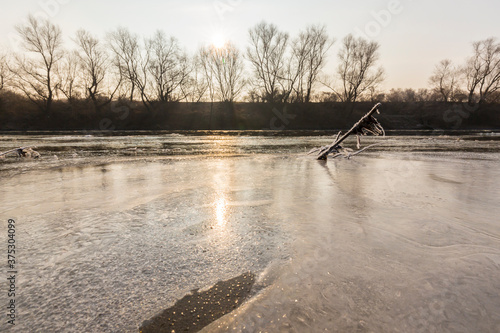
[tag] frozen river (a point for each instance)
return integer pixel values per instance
(112, 230)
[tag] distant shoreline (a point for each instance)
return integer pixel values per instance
(206, 116)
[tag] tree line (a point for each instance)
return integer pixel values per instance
(273, 68)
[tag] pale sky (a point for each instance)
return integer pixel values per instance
(414, 34)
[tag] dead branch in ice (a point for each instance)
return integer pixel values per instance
(368, 124)
(26, 152)
(348, 153)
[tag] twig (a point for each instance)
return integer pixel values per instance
(350, 154)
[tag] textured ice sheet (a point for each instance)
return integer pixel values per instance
(386, 245)
(387, 241)
(104, 248)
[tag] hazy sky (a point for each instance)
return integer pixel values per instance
(414, 34)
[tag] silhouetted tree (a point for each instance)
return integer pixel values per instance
(445, 80)
(224, 69)
(373, 95)
(195, 87)
(4, 71)
(133, 63)
(410, 95)
(203, 59)
(425, 95)
(358, 58)
(35, 75)
(482, 70)
(328, 96)
(395, 96)
(310, 50)
(143, 80)
(266, 54)
(126, 52)
(168, 66)
(67, 76)
(293, 69)
(94, 65)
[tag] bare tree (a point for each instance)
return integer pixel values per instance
(327, 97)
(203, 60)
(410, 95)
(142, 77)
(168, 66)
(310, 48)
(4, 71)
(126, 51)
(133, 63)
(424, 95)
(195, 87)
(482, 70)
(266, 54)
(67, 74)
(294, 72)
(445, 80)
(35, 76)
(224, 69)
(373, 95)
(94, 65)
(357, 72)
(395, 95)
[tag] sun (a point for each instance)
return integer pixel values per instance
(218, 41)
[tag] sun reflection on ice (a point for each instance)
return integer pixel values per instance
(221, 210)
(221, 196)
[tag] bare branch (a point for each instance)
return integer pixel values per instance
(68, 74)
(266, 54)
(356, 70)
(223, 71)
(310, 50)
(168, 67)
(5, 73)
(126, 51)
(35, 75)
(445, 80)
(482, 71)
(94, 64)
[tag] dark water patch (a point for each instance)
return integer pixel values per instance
(197, 310)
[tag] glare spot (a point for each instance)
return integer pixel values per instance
(218, 41)
(221, 210)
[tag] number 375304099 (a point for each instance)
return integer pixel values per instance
(11, 244)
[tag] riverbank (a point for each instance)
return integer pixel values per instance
(125, 115)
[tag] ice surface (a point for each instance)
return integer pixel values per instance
(391, 240)
(387, 245)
